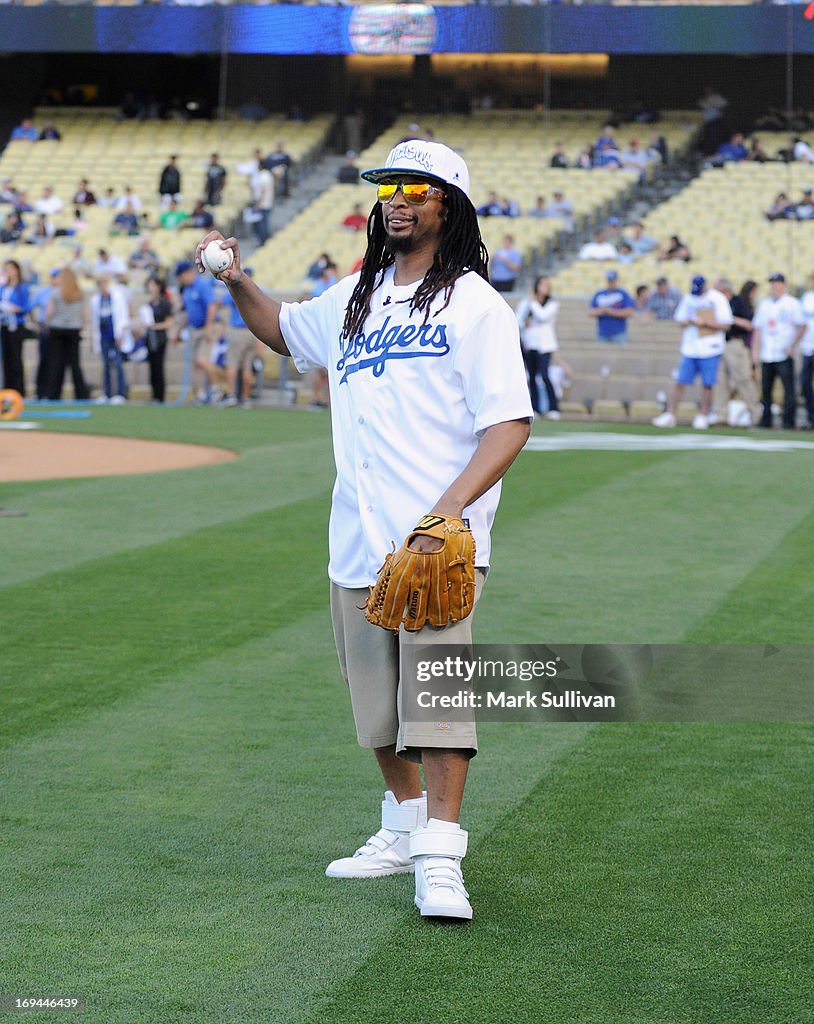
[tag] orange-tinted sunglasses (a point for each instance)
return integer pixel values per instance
(416, 193)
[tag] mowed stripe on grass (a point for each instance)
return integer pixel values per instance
(180, 762)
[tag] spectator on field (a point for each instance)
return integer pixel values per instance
(736, 372)
(65, 316)
(705, 317)
(25, 132)
(214, 180)
(280, 163)
(144, 257)
(200, 217)
(781, 209)
(559, 157)
(48, 203)
(612, 307)
(492, 207)
(505, 265)
(38, 303)
(125, 222)
(355, 220)
(348, 173)
(243, 347)
(802, 151)
(675, 250)
(804, 210)
(536, 316)
(634, 158)
(83, 195)
(50, 133)
(14, 303)
(173, 217)
(155, 318)
(128, 196)
(807, 351)
(562, 208)
(779, 325)
(639, 242)
(110, 335)
(664, 301)
(599, 249)
(539, 208)
(108, 265)
(196, 298)
(169, 184)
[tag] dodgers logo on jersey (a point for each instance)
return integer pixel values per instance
(401, 341)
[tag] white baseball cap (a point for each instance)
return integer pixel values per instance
(428, 159)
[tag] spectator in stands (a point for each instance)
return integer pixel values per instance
(108, 199)
(757, 154)
(639, 242)
(642, 297)
(562, 208)
(664, 301)
(173, 217)
(492, 207)
(327, 279)
(130, 109)
(48, 203)
(705, 316)
(657, 147)
(585, 159)
(779, 326)
(505, 265)
(675, 250)
(50, 133)
(144, 257)
(110, 332)
(200, 217)
(83, 195)
(712, 105)
(802, 151)
(355, 220)
(7, 191)
(108, 265)
(280, 164)
(262, 190)
(348, 173)
(65, 316)
(807, 351)
(41, 231)
(804, 210)
(413, 132)
(559, 159)
(509, 207)
(215, 180)
(633, 158)
(254, 110)
(613, 231)
(539, 208)
(25, 132)
(626, 254)
(599, 249)
(21, 203)
(125, 222)
(12, 228)
(319, 264)
(14, 302)
(736, 372)
(732, 151)
(607, 157)
(128, 196)
(607, 139)
(781, 208)
(169, 184)
(536, 316)
(155, 318)
(612, 307)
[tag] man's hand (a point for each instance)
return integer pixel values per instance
(233, 272)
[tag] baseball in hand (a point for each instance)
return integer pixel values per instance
(215, 259)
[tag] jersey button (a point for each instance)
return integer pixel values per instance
(361, 419)
(365, 465)
(370, 508)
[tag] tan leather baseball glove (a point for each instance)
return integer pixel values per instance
(436, 587)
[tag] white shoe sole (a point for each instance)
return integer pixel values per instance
(405, 869)
(452, 913)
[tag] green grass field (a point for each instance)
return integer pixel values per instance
(177, 762)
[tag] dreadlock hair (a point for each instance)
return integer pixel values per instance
(461, 250)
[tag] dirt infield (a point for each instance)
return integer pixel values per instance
(38, 455)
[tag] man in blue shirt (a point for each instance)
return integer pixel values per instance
(612, 307)
(505, 265)
(196, 295)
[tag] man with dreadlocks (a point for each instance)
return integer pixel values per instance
(429, 407)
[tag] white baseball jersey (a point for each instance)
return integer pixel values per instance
(693, 343)
(409, 401)
(807, 344)
(777, 320)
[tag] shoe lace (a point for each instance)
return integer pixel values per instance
(444, 872)
(378, 843)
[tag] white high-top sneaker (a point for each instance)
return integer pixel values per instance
(437, 850)
(386, 852)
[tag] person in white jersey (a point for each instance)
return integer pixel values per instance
(779, 325)
(429, 408)
(807, 351)
(706, 316)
